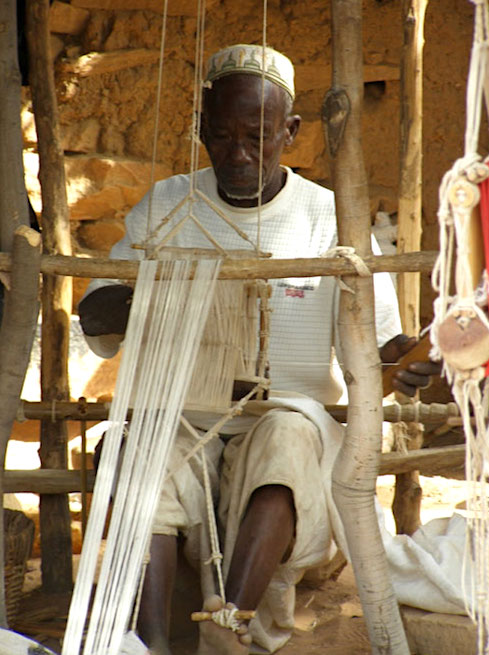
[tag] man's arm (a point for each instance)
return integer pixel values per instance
(105, 310)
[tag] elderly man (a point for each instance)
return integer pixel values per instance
(272, 471)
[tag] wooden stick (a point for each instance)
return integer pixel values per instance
(55, 517)
(238, 269)
(56, 481)
(241, 615)
(16, 336)
(430, 414)
(356, 466)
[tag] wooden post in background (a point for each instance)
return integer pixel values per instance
(407, 499)
(56, 299)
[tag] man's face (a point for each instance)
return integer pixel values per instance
(231, 134)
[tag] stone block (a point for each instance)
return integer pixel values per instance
(430, 633)
(67, 19)
(175, 7)
(100, 187)
(81, 136)
(97, 63)
(100, 235)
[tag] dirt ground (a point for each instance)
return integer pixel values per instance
(329, 616)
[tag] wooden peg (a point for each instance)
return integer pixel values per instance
(241, 615)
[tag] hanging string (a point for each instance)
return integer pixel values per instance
(157, 115)
(197, 99)
(262, 125)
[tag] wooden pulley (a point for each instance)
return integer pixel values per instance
(464, 339)
(462, 336)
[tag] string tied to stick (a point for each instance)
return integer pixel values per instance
(348, 253)
(226, 618)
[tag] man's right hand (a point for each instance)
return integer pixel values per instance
(106, 310)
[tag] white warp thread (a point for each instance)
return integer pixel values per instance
(168, 316)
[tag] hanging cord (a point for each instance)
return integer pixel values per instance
(198, 87)
(262, 125)
(157, 115)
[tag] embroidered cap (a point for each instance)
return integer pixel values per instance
(244, 58)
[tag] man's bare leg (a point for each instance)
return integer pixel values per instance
(155, 609)
(264, 540)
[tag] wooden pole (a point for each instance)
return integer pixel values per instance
(13, 197)
(356, 467)
(55, 519)
(56, 481)
(411, 152)
(406, 506)
(238, 269)
(16, 335)
(13, 205)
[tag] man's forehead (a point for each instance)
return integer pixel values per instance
(238, 96)
(252, 61)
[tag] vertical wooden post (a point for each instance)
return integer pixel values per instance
(407, 500)
(356, 467)
(56, 298)
(13, 198)
(411, 149)
(13, 205)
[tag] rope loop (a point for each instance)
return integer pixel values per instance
(348, 253)
(226, 618)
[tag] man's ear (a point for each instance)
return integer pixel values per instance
(292, 124)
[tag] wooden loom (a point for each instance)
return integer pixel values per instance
(239, 273)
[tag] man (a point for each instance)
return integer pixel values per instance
(273, 502)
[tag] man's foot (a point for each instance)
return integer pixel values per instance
(216, 640)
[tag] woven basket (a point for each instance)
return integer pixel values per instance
(19, 537)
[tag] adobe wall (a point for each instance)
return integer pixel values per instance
(106, 59)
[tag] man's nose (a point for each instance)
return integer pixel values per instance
(239, 152)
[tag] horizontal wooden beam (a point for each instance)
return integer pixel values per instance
(428, 414)
(425, 459)
(54, 481)
(238, 269)
(46, 481)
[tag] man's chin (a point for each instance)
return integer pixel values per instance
(235, 192)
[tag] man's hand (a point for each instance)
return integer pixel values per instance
(106, 310)
(416, 375)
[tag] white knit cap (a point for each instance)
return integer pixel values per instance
(244, 58)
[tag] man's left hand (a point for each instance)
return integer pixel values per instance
(416, 375)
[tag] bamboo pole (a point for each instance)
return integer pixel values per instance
(406, 505)
(55, 519)
(252, 269)
(356, 467)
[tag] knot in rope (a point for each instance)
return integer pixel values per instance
(226, 618)
(214, 558)
(348, 253)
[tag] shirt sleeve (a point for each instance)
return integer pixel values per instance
(108, 345)
(387, 317)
